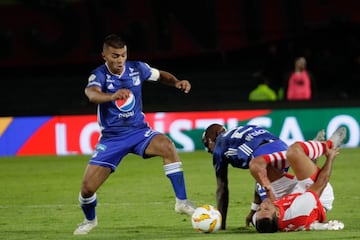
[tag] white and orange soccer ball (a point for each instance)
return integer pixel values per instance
(206, 219)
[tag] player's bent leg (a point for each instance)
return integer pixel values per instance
(175, 173)
(162, 146)
(88, 206)
(93, 178)
(300, 162)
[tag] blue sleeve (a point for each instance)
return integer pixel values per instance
(144, 69)
(240, 162)
(96, 78)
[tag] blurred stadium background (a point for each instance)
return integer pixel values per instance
(48, 48)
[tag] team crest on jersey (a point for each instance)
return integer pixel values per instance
(136, 80)
(126, 105)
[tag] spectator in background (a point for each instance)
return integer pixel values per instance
(263, 91)
(300, 84)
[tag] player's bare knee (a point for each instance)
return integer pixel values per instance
(168, 146)
(86, 190)
(293, 151)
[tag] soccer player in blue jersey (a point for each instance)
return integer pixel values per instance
(237, 147)
(116, 87)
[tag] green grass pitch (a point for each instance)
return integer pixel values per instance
(38, 199)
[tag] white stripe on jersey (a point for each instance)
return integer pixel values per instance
(246, 149)
(231, 152)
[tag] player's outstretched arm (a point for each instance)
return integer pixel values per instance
(169, 79)
(222, 194)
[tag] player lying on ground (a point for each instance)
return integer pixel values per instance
(300, 210)
(285, 184)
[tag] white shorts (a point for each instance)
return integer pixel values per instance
(289, 184)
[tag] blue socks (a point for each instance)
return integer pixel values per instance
(88, 206)
(174, 172)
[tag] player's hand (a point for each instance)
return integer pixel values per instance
(249, 217)
(183, 85)
(121, 94)
(331, 153)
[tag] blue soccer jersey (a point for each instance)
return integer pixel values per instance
(239, 145)
(121, 116)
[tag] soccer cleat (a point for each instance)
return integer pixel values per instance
(335, 225)
(320, 136)
(331, 225)
(85, 227)
(338, 137)
(184, 207)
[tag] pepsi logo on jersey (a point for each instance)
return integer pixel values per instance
(126, 104)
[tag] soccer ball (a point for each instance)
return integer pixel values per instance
(206, 219)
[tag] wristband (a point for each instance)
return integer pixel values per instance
(254, 206)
